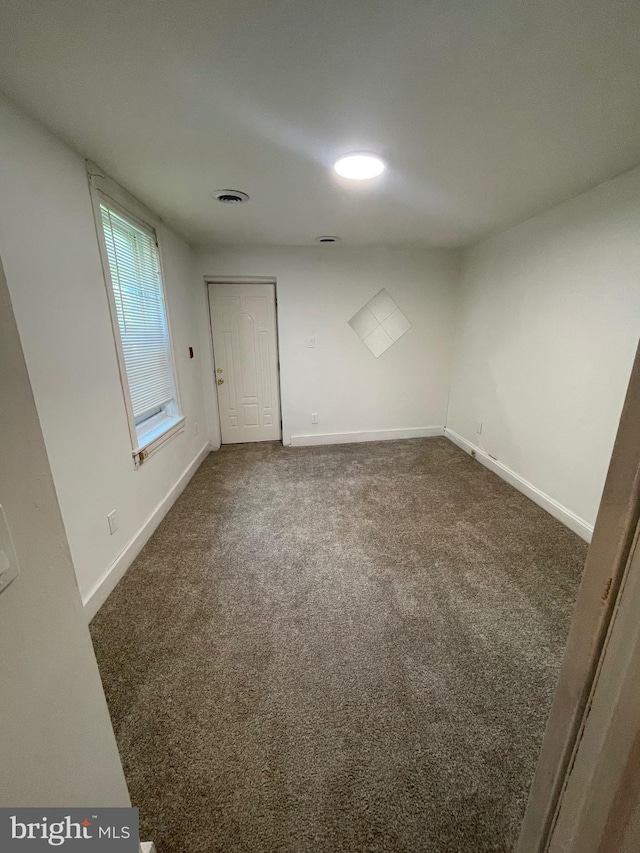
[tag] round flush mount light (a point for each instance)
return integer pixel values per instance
(230, 196)
(327, 238)
(360, 166)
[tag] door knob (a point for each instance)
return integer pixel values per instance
(220, 381)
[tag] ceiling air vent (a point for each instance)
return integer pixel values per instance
(230, 196)
(327, 239)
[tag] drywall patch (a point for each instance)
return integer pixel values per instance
(380, 323)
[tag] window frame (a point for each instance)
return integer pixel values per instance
(160, 429)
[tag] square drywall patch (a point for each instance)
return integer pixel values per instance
(380, 323)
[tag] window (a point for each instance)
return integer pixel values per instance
(136, 296)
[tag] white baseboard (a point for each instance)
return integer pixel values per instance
(107, 583)
(557, 510)
(364, 435)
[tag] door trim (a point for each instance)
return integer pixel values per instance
(598, 598)
(601, 792)
(240, 279)
(244, 279)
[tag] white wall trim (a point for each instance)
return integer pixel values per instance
(365, 435)
(107, 583)
(239, 279)
(557, 510)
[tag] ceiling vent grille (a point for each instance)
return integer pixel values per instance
(230, 196)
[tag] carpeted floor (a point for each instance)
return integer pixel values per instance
(348, 648)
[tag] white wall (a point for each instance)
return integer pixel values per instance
(549, 319)
(319, 289)
(56, 744)
(50, 252)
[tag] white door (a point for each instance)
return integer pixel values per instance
(245, 347)
(600, 806)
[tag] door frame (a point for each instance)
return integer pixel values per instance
(244, 279)
(597, 602)
(600, 807)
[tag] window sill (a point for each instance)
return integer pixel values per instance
(157, 438)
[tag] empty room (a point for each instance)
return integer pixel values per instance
(318, 324)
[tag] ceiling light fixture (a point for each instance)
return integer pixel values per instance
(230, 196)
(359, 167)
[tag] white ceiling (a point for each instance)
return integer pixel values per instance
(487, 111)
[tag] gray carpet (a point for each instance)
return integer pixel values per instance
(347, 648)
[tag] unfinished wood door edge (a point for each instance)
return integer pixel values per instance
(606, 563)
(594, 686)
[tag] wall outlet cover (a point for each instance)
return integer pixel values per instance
(112, 521)
(9, 568)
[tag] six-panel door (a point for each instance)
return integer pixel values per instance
(245, 345)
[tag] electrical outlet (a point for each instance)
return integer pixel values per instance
(479, 427)
(113, 521)
(9, 568)
(311, 343)
(314, 417)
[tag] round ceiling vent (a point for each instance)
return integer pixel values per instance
(230, 196)
(327, 239)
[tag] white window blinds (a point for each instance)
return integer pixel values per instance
(142, 320)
